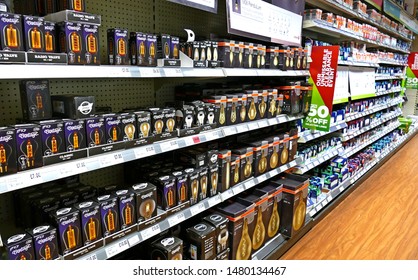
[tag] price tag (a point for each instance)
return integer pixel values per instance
(173, 72)
(249, 184)
(312, 213)
(239, 189)
(273, 121)
(196, 139)
(229, 130)
(150, 72)
(324, 202)
(242, 128)
(176, 219)
(212, 136)
(263, 123)
(32, 178)
(149, 232)
(169, 146)
(15, 184)
(274, 172)
(252, 125)
(109, 160)
(341, 189)
(214, 200)
(318, 207)
(91, 258)
(133, 240)
(262, 178)
(115, 249)
(329, 198)
(196, 209)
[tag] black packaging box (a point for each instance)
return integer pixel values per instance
(213, 179)
(252, 105)
(306, 95)
(95, 131)
(52, 134)
(224, 255)
(45, 241)
(185, 117)
(169, 120)
(208, 50)
(151, 50)
(146, 201)
(226, 53)
(157, 122)
(273, 152)
(49, 6)
(11, 29)
(295, 193)
(201, 242)
(28, 146)
(109, 214)
(70, 41)
(242, 104)
(272, 57)
(283, 59)
(220, 103)
(174, 47)
(272, 215)
(78, 6)
(41, 207)
(67, 221)
(261, 56)
(113, 127)
(50, 37)
(143, 119)
(193, 183)
(272, 103)
(138, 48)
(297, 63)
(127, 213)
(164, 46)
(260, 163)
(166, 191)
(73, 106)
(290, 102)
(86, 192)
(67, 198)
(263, 103)
(232, 110)
(293, 143)
(128, 126)
(75, 134)
(20, 247)
(117, 46)
(193, 158)
(8, 160)
(235, 171)
(210, 112)
(241, 226)
(36, 100)
(239, 55)
(204, 184)
(91, 227)
(224, 163)
(166, 248)
(246, 162)
(199, 112)
(196, 51)
(248, 55)
(220, 223)
(284, 148)
(91, 41)
(33, 28)
(182, 189)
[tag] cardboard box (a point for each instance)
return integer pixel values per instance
(52, 135)
(109, 214)
(117, 46)
(146, 201)
(252, 105)
(272, 216)
(201, 242)
(73, 106)
(226, 51)
(272, 103)
(204, 184)
(235, 171)
(166, 191)
(127, 213)
(138, 48)
(92, 43)
(67, 221)
(75, 134)
(70, 41)
(113, 128)
(157, 121)
(260, 156)
(45, 241)
(11, 30)
(20, 247)
(232, 110)
(273, 152)
(8, 159)
(246, 162)
(193, 183)
(166, 248)
(152, 49)
(128, 126)
(78, 6)
(182, 189)
(28, 146)
(36, 100)
(50, 37)
(164, 46)
(90, 221)
(224, 163)
(220, 223)
(33, 28)
(95, 131)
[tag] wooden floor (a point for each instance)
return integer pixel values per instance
(378, 221)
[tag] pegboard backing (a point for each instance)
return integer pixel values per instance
(103, 177)
(6, 210)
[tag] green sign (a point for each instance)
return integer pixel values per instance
(412, 71)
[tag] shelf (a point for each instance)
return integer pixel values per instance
(392, 62)
(358, 63)
(53, 172)
(340, 9)
(371, 126)
(113, 71)
(319, 159)
(124, 242)
(309, 135)
(385, 92)
(394, 102)
(388, 77)
(351, 151)
(321, 27)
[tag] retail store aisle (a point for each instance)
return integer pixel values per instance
(379, 220)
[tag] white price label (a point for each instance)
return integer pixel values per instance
(91, 257)
(341, 189)
(15, 184)
(169, 146)
(173, 72)
(329, 198)
(133, 240)
(33, 178)
(239, 189)
(312, 213)
(150, 72)
(324, 202)
(214, 200)
(262, 178)
(229, 130)
(111, 160)
(249, 184)
(273, 121)
(197, 209)
(263, 123)
(242, 128)
(176, 219)
(112, 250)
(189, 141)
(274, 172)
(212, 136)
(252, 125)
(318, 207)
(149, 232)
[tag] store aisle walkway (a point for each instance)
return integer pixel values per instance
(379, 220)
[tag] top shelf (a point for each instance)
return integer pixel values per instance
(110, 71)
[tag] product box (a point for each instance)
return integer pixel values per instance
(42, 207)
(166, 248)
(67, 198)
(70, 41)
(290, 98)
(20, 247)
(157, 122)
(151, 49)
(220, 103)
(210, 122)
(86, 192)
(45, 242)
(204, 184)
(127, 213)
(272, 103)
(240, 227)
(166, 191)
(117, 46)
(239, 55)
(235, 171)
(91, 41)
(138, 48)
(75, 134)
(248, 55)
(196, 51)
(198, 112)
(11, 32)
(75, 5)
(52, 135)
(73, 106)
(36, 100)
(232, 110)
(226, 53)
(109, 214)
(201, 242)
(128, 126)
(193, 158)
(246, 162)
(181, 186)
(213, 174)
(169, 121)
(293, 143)
(146, 201)
(185, 118)
(272, 57)
(164, 46)
(224, 256)
(273, 152)
(113, 128)
(91, 227)
(220, 223)
(224, 164)
(174, 47)
(295, 193)
(143, 119)
(50, 37)
(33, 28)
(284, 149)
(67, 221)
(242, 105)
(252, 105)
(28, 146)
(260, 162)
(95, 131)
(262, 103)
(193, 183)
(8, 162)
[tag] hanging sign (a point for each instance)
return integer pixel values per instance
(206, 5)
(323, 72)
(412, 71)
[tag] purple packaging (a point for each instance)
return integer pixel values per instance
(166, 191)
(8, 163)
(33, 28)
(182, 189)
(67, 221)
(20, 247)
(128, 126)
(152, 49)
(91, 228)
(109, 213)
(117, 46)
(50, 37)
(11, 31)
(52, 135)
(127, 215)
(113, 128)
(75, 134)
(70, 42)
(138, 48)
(91, 43)
(95, 131)
(174, 47)
(45, 242)
(28, 146)
(36, 99)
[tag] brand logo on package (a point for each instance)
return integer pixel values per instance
(216, 218)
(16, 238)
(40, 229)
(200, 227)
(63, 211)
(167, 241)
(140, 186)
(85, 107)
(86, 204)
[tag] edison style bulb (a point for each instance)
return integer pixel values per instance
(3, 159)
(222, 114)
(54, 145)
(274, 222)
(92, 229)
(244, 245)
(72, 243)
(259, 231)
